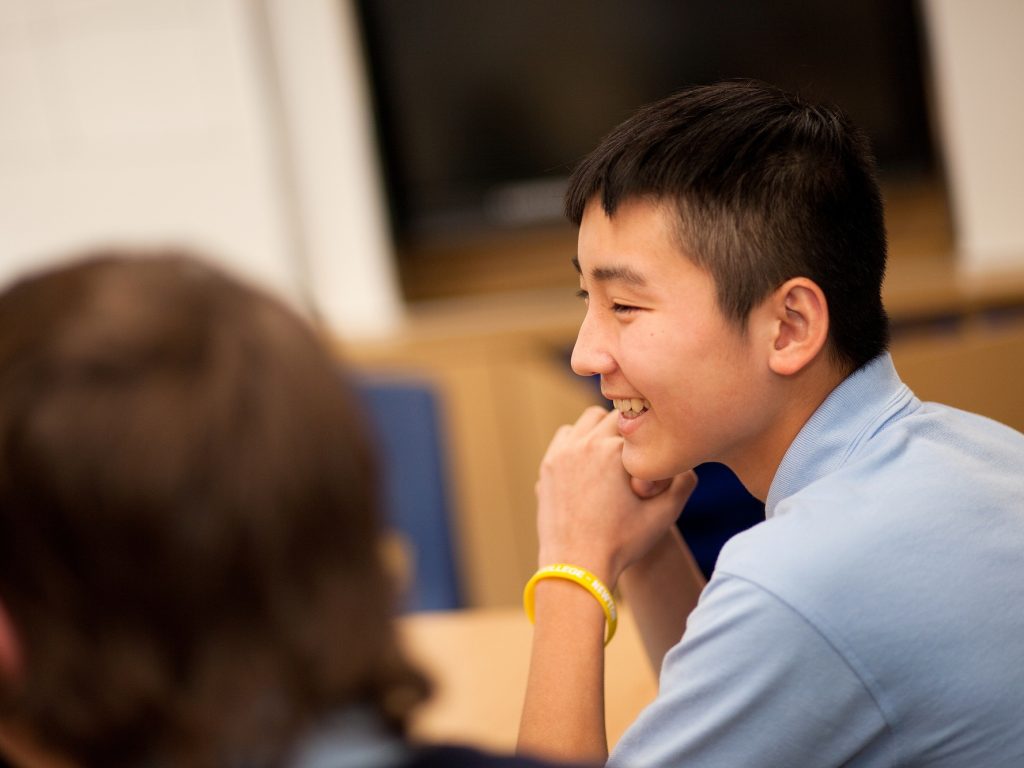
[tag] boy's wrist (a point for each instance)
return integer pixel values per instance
(578, 602)
(601, 566)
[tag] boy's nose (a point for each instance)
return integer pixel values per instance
(590, 355)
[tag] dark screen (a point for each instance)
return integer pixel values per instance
(482, 108)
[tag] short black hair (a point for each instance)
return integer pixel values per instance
(767, 187)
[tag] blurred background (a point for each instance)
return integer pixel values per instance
(395, 167)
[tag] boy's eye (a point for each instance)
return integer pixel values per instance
(620, 309)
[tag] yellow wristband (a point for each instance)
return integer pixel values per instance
(585, 579)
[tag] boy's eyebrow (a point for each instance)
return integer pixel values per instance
(605, 274)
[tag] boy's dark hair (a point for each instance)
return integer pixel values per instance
(767, 187)
(188, 527)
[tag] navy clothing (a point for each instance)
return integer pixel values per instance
(464, 757)
(355, 738)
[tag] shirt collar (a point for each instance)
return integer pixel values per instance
(851, 413)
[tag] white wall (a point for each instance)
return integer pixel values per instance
(147, 121)
(977, 58)
(242, 127)
(338, 190)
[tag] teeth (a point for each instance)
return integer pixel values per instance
(631, 405)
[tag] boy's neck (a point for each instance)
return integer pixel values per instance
(800, 396)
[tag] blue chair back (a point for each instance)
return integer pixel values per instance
(404, 417)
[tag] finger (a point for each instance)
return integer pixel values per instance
(648, 489)
(560, 436)
(683, 485)
(609, 424)
(589, 419)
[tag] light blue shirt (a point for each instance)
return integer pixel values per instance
(876, 618)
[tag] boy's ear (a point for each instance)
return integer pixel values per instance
(798, 314)
(10, 650)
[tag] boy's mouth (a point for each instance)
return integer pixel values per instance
(630, 408)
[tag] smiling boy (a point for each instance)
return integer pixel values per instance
(731, 255)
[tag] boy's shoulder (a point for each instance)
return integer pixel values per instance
(933, 492)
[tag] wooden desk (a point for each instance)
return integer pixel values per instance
(478, 659)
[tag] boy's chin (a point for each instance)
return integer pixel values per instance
(643, 468)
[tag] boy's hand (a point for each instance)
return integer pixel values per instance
(590, 512)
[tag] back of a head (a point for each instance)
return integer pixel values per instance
(767, 187)
(187, 519)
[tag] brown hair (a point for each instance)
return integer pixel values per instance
(188, 519)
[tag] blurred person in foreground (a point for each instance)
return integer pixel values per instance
(731, 254)
(189, 562)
